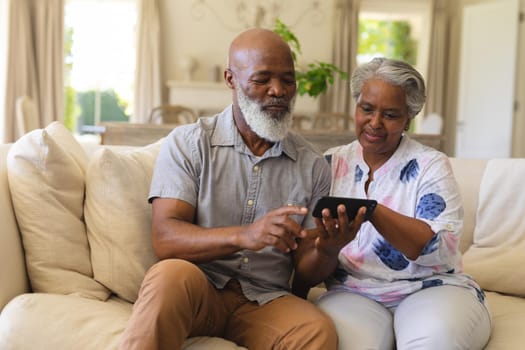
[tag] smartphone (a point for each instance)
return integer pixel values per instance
(352, 206)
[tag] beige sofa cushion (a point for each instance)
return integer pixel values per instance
(46, 170)
(50, 321)
(508, 318)
(497, 254)
(468, 174)
(118, 217)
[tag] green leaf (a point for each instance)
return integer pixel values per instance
(287, 35)
(315, 80)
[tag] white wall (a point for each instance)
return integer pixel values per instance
(207, 39)
(455, 12)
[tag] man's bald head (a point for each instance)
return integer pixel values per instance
(255, 44)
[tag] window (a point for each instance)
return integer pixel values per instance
(398, 29)
(99, 61)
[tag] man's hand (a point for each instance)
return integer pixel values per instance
(334, 234)
(275, 229)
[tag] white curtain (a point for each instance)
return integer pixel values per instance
(346, 26)
(34, 61)
(436, 76)
(148, 82)
(49, 48)
(3, 60)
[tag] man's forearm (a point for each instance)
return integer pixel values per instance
(314, 266)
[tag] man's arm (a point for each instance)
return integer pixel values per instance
(176, 236)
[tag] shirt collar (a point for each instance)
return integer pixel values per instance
(398, 154)
(227, 134)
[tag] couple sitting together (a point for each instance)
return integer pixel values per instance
(232, 198)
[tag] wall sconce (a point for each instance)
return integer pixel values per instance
(251, 13)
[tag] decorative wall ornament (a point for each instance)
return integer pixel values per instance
(255, 13)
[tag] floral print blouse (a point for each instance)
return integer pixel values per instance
(416, 181)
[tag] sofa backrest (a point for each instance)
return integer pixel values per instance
(468, 173)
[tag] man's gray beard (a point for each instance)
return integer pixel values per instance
(266, 125)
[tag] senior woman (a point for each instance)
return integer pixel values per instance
(397, 279)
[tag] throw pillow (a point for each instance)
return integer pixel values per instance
(46, 169)
(118, 217)
(499, 235)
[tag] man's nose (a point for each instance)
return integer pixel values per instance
(277, 88)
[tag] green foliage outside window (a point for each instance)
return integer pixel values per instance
(112, 107)
(391, 39)
(70, 109)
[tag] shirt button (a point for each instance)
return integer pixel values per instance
(245, 260)
(450, 227)
(250, 202)
(256, 168)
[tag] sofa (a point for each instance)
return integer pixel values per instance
(75, 241)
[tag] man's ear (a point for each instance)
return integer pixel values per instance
(228, 78)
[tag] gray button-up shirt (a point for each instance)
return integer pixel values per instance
(208, 165)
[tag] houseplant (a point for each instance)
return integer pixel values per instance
(313, 80)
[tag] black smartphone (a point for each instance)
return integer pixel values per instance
(352, 206)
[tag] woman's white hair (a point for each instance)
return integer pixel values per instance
(395, 72)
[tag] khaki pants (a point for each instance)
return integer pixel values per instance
(177, 301)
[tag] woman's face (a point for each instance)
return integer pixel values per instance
(381, 116)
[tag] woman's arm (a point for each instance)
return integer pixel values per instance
(406, 234)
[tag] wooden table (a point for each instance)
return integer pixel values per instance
(133, 134)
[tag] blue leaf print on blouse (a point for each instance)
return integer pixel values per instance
(328, 158)
(430, 206)
(431, 246)
(432, 283)
(410, 171)
(390, 256)
(358, 174)
(481, 295)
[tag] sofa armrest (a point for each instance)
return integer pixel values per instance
(13, 276)
(468, 173)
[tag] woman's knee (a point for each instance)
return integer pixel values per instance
(361, 323)
(442, 317)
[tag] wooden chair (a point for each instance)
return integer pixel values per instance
(172, 114)
(27, 117)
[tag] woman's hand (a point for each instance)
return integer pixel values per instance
(317, 256)
(335, 233)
